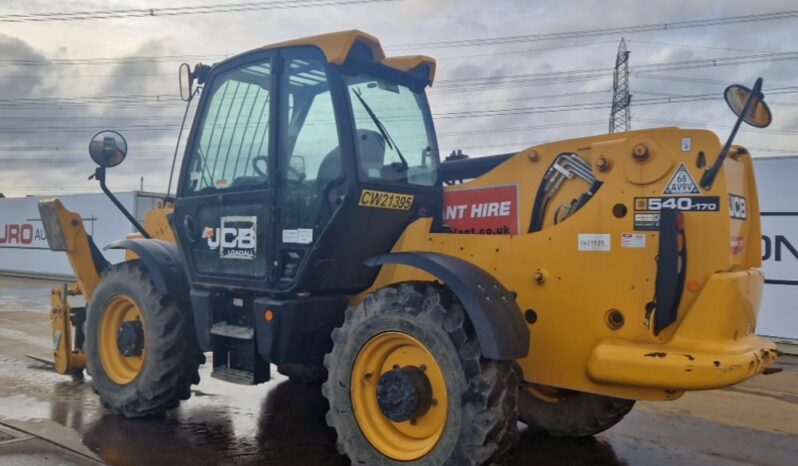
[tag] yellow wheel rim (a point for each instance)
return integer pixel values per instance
(402, 441)
(119, 368)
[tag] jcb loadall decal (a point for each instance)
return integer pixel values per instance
(485, 211)
(237, 237)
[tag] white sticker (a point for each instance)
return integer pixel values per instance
(681, 182)
(633, 240)
(687, 144)
(304, 236)
(238, 302)
(594, 242)
(290, 236)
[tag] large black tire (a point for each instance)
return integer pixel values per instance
(172, 353)
(304, 373)
(481, 423)
(575, 414)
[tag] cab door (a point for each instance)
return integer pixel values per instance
(311, 159)
(225, 200)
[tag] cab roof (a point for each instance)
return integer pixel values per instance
(337, 46)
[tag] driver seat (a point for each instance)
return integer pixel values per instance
(371, 157)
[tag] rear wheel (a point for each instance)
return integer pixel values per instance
(407, 383)
(141, 349)
(568, 413)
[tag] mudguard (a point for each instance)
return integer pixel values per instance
(162, 260)
(501, 329)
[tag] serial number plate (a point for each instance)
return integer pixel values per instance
(383, 200)
(683, 203)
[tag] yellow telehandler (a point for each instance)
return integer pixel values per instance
(315, 228)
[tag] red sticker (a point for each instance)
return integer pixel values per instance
(484, 211)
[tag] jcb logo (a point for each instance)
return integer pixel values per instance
(737, 207)
(236, 238)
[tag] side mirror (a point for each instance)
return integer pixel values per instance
(186, 82)
(750, 107)
(758, 114)
(108, 149)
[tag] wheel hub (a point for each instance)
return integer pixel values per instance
(130, 338)
(404, 394)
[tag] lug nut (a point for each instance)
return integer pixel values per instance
(534, 156)
(640, 152)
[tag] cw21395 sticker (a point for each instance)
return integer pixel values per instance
(383, 200)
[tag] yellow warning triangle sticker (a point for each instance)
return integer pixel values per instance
(681, 182)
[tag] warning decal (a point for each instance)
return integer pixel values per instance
(484, 211)
(681, 183)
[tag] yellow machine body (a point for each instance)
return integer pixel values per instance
(572, 292)
(584, 281)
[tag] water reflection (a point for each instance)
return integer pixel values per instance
(290, 429)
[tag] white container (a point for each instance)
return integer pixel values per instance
(777, 182)
(23, 245)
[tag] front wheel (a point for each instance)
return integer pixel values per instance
(407, 383)
(141, 349)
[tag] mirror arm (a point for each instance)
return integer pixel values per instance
(708, 178)
(99, 173)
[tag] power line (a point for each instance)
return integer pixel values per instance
(584, 33)
(503, 40)
(523, 79)
(177, 11)
(583, 106)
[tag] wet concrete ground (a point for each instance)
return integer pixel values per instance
(50, 419)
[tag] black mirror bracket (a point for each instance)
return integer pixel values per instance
(99, 174)
(708, 178)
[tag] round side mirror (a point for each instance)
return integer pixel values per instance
(186, 83)
(758, 114)
(108, 149)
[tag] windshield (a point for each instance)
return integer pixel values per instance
(394, 136)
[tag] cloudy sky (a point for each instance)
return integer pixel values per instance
(61, 81)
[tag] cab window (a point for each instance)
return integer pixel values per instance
(233, 140)
(311, 157)
(393, 135)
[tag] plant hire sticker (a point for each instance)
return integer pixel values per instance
(491, 210)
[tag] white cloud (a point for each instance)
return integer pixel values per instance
(407, 22)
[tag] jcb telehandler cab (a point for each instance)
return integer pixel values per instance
(315, 228)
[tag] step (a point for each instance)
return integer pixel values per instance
(236, 376)
(239, 332)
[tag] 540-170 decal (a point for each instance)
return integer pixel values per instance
(647, 209)
(683, 203)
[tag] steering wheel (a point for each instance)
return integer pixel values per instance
(260, 158)
(299, 175)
